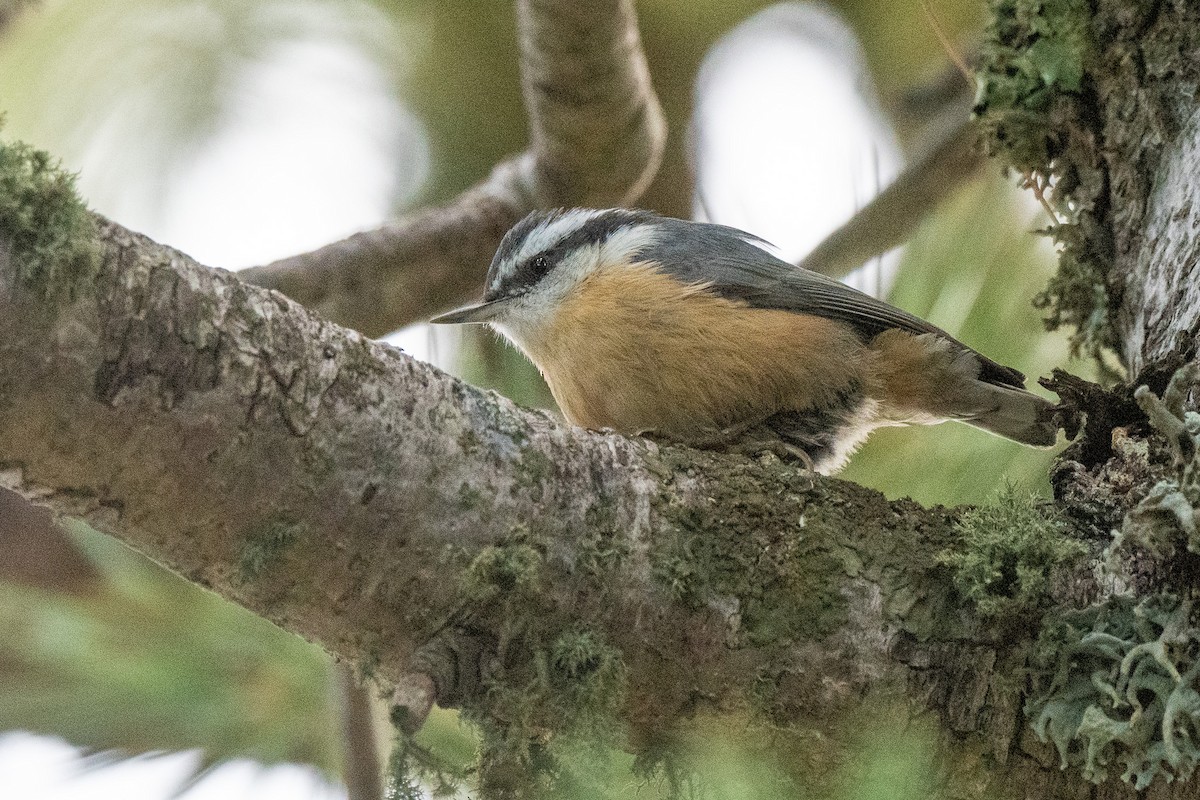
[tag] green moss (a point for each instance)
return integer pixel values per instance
(1034, 53)
(45, 228)
(469, 441)
(781, 578)
(265, 544)
(1116, 687)
(549, 683)
(602, 545)
(1008, 554)
(784, 588)
(412, 767)
(1077, 295)
(469, 497)
(588, 673)
(534, 469)
(531, 719)
(506, 568)
(1032, 99)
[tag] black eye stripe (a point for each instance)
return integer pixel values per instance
(529, 272)
(591, 231)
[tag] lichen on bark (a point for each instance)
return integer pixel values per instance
(1084, 99)
(1117, 684)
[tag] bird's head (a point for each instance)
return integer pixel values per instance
(546, 257)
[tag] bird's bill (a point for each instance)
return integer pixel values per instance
(480, 312)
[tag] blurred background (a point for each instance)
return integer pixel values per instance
(241, 131)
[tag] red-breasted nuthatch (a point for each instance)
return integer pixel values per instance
(694, 332)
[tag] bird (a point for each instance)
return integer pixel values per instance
(695, 333)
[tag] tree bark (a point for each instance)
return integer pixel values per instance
(404, 519)
(1147, 124)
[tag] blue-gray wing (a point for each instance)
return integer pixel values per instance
(737, 267)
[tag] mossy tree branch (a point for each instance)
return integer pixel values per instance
(407, 521)
(1096, 103)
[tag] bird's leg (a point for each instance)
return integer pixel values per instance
(707, 438)
(748, 437)
(783, 450)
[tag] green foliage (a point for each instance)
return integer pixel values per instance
(1008, 554)
(1116, 686)
(150, 663)
(45, 228)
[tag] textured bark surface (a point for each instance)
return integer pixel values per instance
(337, 486)
(1162, 313)
(1147, 76)
(350, 493)
(597, 138)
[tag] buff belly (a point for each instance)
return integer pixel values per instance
(702, 366)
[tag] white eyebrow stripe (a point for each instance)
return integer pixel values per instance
(546, 236)
(542, 238)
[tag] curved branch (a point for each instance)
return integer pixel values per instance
(598, 134)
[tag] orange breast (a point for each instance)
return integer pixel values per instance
(635, 350)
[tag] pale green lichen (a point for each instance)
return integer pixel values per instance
(46, 231)
(1167, 516)
(1008, 553)
(1118, 685)
(1115, 686)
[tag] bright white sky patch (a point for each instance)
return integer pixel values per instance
(314, 147)
(789, 137)
(43, 768)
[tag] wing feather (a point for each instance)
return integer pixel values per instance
(738, 267)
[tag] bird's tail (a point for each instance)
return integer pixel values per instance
(931, 378)
(1015, 414)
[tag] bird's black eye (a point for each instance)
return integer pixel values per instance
(541, 264)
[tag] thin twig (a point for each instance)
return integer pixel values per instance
(951, 51)
(361, 771)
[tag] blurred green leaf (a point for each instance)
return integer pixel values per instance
(150, 662)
